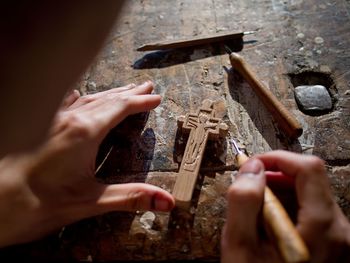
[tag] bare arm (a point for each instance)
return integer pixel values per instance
(45, 46)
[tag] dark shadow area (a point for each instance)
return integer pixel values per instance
(45, 250)
(71, 244)
(315, 78)
(167, 58)
(181, 221)
(90, 234)
(285, 192)
(125, 155)
(262, 118)
(214, 153)
(180, 225)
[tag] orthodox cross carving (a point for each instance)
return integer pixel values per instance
(202, 126)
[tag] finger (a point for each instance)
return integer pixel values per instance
(133, 197)
(96, 119)
(131, 89)
(245, 199)
(145, 88)
(93, 97)
(312, 184)
(70, 98)
(120, 89)
(99, 97)
(114, 90)
(287, 162)
(280, 180)
(105, 116)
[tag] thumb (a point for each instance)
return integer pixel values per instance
(133, 197)
(245, 199)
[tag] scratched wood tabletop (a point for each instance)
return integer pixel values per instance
(295, 43)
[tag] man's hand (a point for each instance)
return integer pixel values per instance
(321, 222)
(55, 186)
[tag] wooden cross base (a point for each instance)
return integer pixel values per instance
(202, 126)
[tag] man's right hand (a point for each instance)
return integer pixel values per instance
(320, 222)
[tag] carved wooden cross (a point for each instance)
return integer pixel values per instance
(202, 126)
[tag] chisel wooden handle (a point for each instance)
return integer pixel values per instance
(287, 122)
(288, 239)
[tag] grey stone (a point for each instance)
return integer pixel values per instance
(313, 98)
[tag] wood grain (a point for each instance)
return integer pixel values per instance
(202, 125)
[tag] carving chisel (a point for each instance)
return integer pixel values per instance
(288, 239)
(192, 42)
(285, 120)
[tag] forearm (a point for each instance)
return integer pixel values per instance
(50, 39)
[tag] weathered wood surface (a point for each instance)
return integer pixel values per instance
(296, 42)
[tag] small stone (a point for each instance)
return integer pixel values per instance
(185, 248)
(192, 210)
(179, 158)
(313, 98)
(91, 85)
(318, 40)
(147, 220)
(308, 53)
(300, 35)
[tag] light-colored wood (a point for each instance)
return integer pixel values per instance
(191, 42)
(291, 246)
(289, 241)
(202, 126)
(285, 120)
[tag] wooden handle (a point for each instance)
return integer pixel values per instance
(288, 239)
(287, 122)
(289, 242)
(191, 42)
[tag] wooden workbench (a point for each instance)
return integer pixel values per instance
(295, 42)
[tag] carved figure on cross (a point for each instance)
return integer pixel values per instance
(202, 126)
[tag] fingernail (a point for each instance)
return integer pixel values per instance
(76, 92)
(70, 92)
(251, 168)
(162, 205)
(146, 83)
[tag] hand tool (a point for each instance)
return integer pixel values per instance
(286, 121)
(289, 241)
(194, 41)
